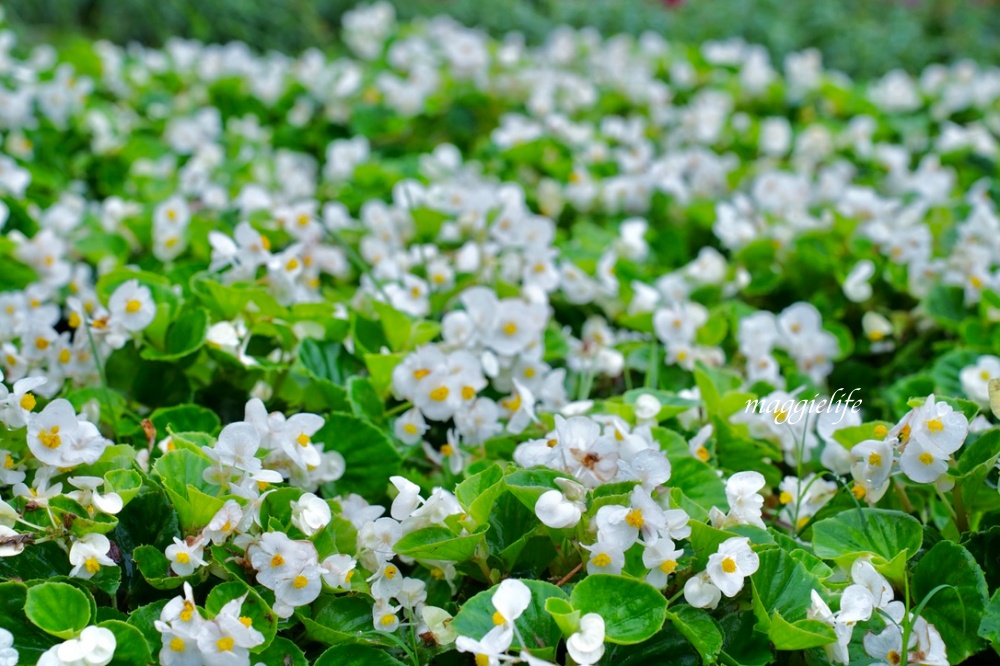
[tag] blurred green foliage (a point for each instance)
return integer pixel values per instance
(863, 38)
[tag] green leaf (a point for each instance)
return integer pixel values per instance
(989, 628)
(185, 336)
(670, 404)
(131, 648)
(58, 608)
(439, 543)
(29, 640)
(180, 472)
(282, 652)
(535, 625)
(633, 611)
(799, 635)
(185, 418)
(370, 456)
(527, 485)
(125, 482)
(956, 611)
(343, 619)
(700, 629)
(155, 568)
(699, 482)
(254, 607)
(781, 585)
(365, 402)
(564, 615)
(356, 655)
(880, 532)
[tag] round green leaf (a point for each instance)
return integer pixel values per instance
(633, 611)
(131, 648)
(356, 655)
(58, 608)
(535, 625)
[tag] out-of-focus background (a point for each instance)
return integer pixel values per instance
(863, 38)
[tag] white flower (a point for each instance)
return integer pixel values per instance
(701, 592)
(87, 495)
(407, 500)
(856, 286)
(94, 647)
(745, 502)
(660, 558)
(225, 521)
(556, 511)
(606, 558)
(16, 406)
(490, 648)
(586, 646)
(510, 600)
(88, 554)
(874, 460)
(731, 564)
(310, 514)
(8, 654)
(131, 307)
(338, 571)
(646, 408)
(58, 438)
(186, 556)
(976, 379)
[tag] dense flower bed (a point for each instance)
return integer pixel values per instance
(458, 351)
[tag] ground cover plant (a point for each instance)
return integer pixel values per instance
(455, 350)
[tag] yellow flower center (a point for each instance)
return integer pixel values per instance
(875, 336)
(391, 571)
(225, 644)
(246, 622)
(802, 522)
(513, 403)
(447, 450)
(875, 460)
(785, 497)
(420, 373)
(702, 454)
(74, 320)
(935, 425)
(65, 356)
(436, 573)
(387, 619)
(188, 612)
(410, 429)
(601, 560)
(41, 343)
(277, 561)
(498, 618)
(183, 557)
(468, 393)
(265, 242)
(881, 431)
(92, 565)
(300, 582)
(858, 491)
(635, 519)
(926, 458)
(292, 264)
(729, 565)
(348, 576)
(668, 566)
(482, 660)
(510, 328)
(984, 375)
(893, 657)
(780, 416)
(177, 644)
(50, 438)
(27, 402)
(171, 214)
(529, 372)
(133, 306)
(440, 394)
(303, 439)
(904, 434)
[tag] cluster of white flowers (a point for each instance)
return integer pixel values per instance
(190, 638)
(921, 445)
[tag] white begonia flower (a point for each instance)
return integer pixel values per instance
(878, 329)
(16, 406)
(556, 511)
(937, 431)
(976, 379)
(131, 307)
(87, 495)
(510, 600)
(586, 645)
(407, 499)
(856, 286)
(186, 556)
(745, 502)
(646, 409)
(660, 558)
(731, 564)
(88, 554)
(864, 574)
(310, 514)
(384, 615)
(337, 571)
(386, 582)
(95, 646)
(490, 648)
(874, 461)
(225, 521)
(58, 438)
(701, 592)
(410, 426)
(8, 653)
(838, 650)
(606, 558)
(856, 605)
